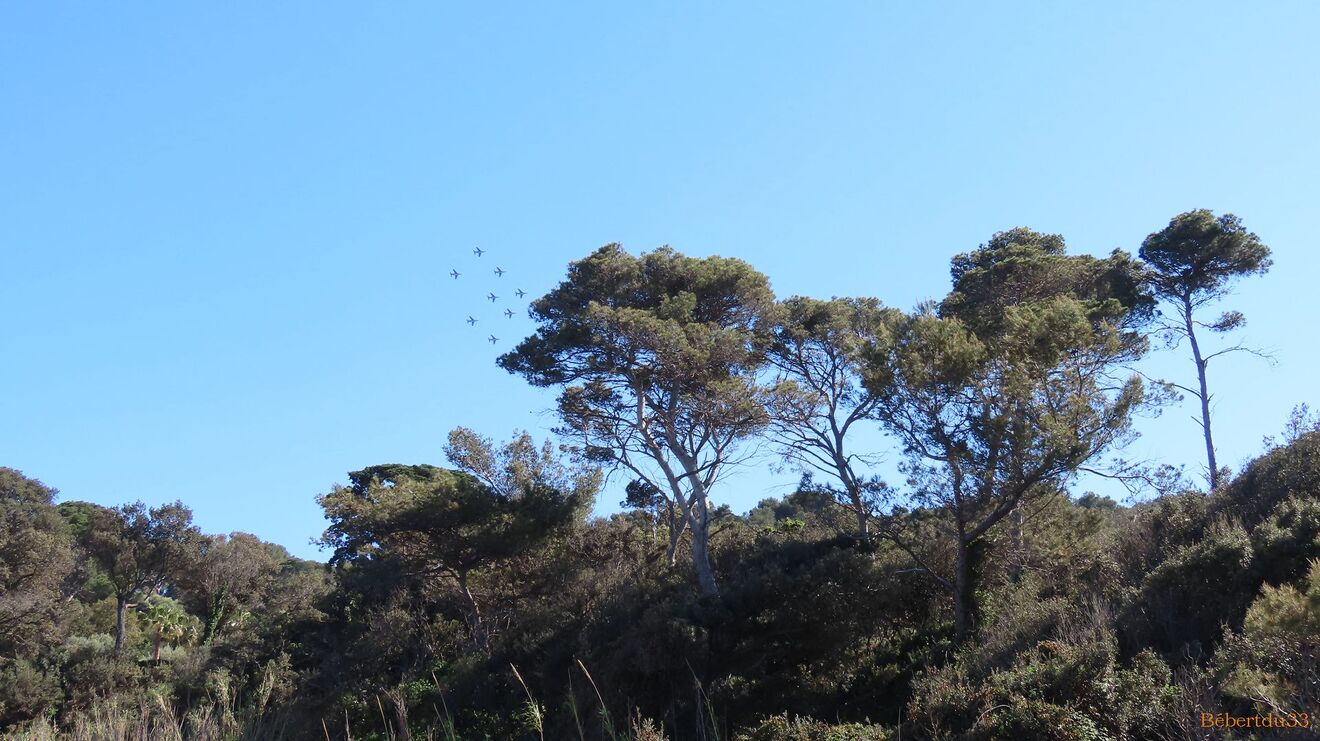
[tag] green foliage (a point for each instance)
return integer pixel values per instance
(1290, 470)
(810, 505)
(1187, 598)
(422, 515)
(519, 466)
(35, 559)
(804, 728)
(1275, 660)
(26, 691)
(1022, 267)
(1288, 540)
(1072, 687)
(1198, 255)
(137, 549)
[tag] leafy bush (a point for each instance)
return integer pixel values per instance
(1275, 660)
(1288, 539)
(1186, 599)
(1070, 687)
(805, 728)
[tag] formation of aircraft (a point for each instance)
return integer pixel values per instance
(499, 273)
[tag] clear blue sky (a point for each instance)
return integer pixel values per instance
(225, 229)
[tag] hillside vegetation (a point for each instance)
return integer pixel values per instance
(954, 581)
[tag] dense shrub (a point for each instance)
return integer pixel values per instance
(803, 728)
(1275, 660)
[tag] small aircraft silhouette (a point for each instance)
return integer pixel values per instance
(471, 321)
(478, 252)
(455, 273)
(492, 297)
(494, 339)
(521, 293)
(499, 272)
(508, 313)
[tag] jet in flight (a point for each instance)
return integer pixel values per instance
(508, 313)
(521, 293)
(478, 252)
(494, 339)
(492, 297)
(455, 273)
(471, 321)
(499, 272)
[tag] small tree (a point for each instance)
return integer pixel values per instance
(139, 550)
(1193, 262)
(229, 576)
(437, 525)
(168, 620)
(35, 558)
(658, 357)
(817, 349)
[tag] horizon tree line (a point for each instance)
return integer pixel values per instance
(999, 395)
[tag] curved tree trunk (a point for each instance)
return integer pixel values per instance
(697, 516)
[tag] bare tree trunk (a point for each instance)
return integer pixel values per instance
(479, 635)
(863, 522)
(399, 705)
(121, 617)
(964, 593)
(1205, 394)
(1015, 536)
(697, 516)
(675, 534)
(701, 546)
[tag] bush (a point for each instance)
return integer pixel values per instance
(25, 691)
(1036, 719)
(1276, 657)
(1068, 687)
(1288, 540)
(804, 728)
(1186, 599)
(1291, 470)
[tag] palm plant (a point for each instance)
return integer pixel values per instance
(169, 620)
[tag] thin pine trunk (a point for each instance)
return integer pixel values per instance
(1205, 394)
